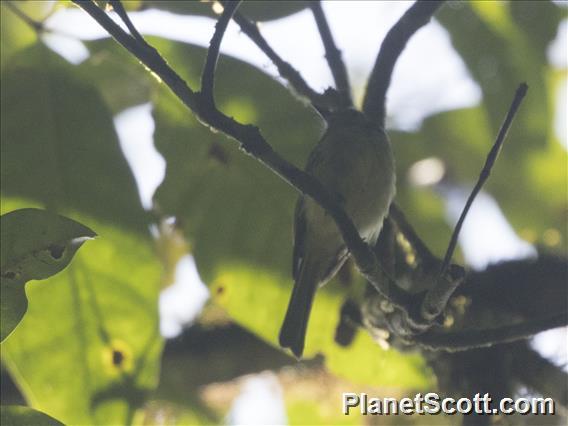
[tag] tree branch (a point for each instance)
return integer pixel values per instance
(478, 338)
(485, 172)
(394, 43)
(121, 12)
(143, 51)
(332, 55)
(253, 143)
(321, 102)
(208, 75)
(438, 296)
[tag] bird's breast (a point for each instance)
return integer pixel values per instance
(360, 172)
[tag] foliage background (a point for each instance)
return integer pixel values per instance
(60, 151)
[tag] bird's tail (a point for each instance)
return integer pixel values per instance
(293, 331)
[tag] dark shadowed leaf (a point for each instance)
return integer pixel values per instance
(60, 128)
(15, 415)
(121, 79)
(36, 244)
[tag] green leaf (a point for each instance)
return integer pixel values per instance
(237, 215)
(59, 127)
(500, 56)
(96, 362)
(15, 415)
(36, 244)
(253, 9)
(88, 348)
(253, 298)
(120, 78)
(503, 44)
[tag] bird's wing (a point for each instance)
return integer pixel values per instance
(314, 160)
(299, 237)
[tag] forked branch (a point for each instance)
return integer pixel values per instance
(437, 297)
(121, 12)
(253, 143)
(485, 172)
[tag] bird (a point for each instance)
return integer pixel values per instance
(355, 164)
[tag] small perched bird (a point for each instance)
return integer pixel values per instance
(354, 162)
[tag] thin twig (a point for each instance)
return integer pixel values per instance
(287, 71)
(332, 55)
(253, 143)
(208, 75)
(394, 43)
(121, 12)
(37, 26)
(478, 338)
(485, 172)
(437, 297)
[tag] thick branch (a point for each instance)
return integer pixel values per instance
(478, 338)
(208, 75)
(287, 71)
(332, 55)
(254, 144)
(393, 45)
(438, 296)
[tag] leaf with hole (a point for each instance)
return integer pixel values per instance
(36, 244)
(99, 316)
(99, 319)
